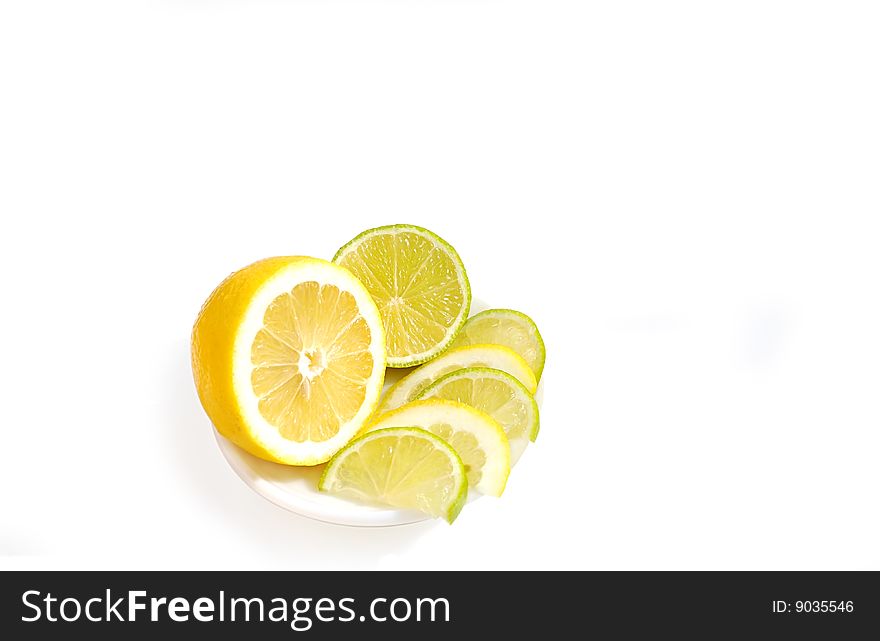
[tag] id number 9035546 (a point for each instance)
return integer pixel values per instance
(813, 607)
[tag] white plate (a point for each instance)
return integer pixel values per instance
(296, 488)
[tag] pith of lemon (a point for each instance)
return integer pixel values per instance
(288, 357)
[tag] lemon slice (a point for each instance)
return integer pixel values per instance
(289, 358)
(496, 393)
(509, 328)
(408, 388)
(477, 438)
(419, 283)
(403, 467)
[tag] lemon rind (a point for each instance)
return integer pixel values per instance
(254, 433)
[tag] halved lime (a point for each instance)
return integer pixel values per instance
(419, 284)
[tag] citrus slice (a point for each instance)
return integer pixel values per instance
(419, 283)
(403, 467)
(496, 393)
(289, 358)
(477, 438)
(495, 356)
(509, 328)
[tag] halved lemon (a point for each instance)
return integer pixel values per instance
(419, 283)
(506, 327)
(288, 357)
(403, 467)
(477, 438)
(496, 393)
(495, 356)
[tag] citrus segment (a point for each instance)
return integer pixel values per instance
(477, 438)
(509, 328)
(496, 393)
(403, 467)
(493, 356)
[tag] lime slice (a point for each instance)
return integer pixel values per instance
(477, 438)
(509, 328)
(419, 284)
(404, 467)
(496, 393)
(408, 388)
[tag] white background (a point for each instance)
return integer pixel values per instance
(683, 194)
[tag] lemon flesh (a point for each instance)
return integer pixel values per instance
(494, 356)
(509, 328)
(288, 358)
(402, 467)
(419, 284)
(477, 438)
(496, 393)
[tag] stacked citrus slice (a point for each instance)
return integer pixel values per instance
(478, 438)
(289, 357)
(403, 467)
(509, 328)
(496, 393)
